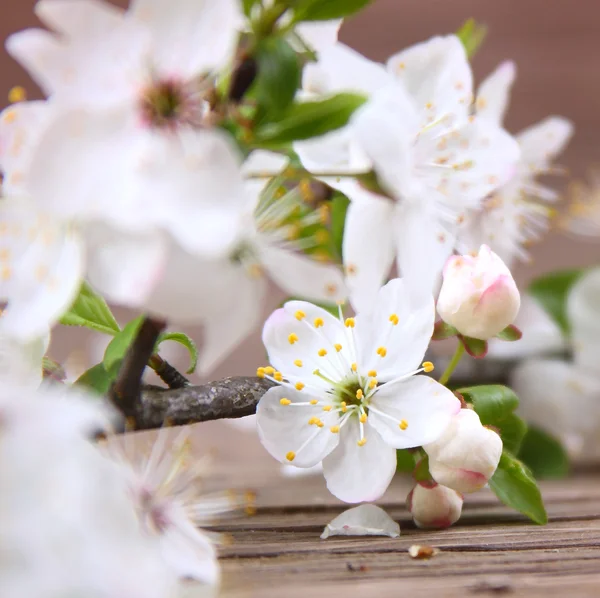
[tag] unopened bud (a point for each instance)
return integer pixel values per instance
(434, 507)
(478, 296)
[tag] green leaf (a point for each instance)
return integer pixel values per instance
(90, 310)
(247, 6)
(278, 73)
(492, 402)
(339, 207)
(405, 461)
(115, 352)
(96, 378)
(510, 333)
(442, 331)
(551, 292)
(544, 455)
(512, 431)
(304, 120)
(187, 342)
(514, 485)
(325, 10)
(471, 34)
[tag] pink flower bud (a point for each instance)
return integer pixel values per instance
(466, 455)
(434, 507)
(478, 296)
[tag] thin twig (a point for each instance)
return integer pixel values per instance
(167, 373)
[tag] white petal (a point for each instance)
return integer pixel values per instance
(561, 399)
(302, 276)
(319, 35)
(424, 404)
(364, 520)
(583, 311)
(437, 75)
(368, 248)
(543, 141)
(289, 471)
(405, 342)
(262, 161)
(197, 37)
(340, 68)
(21, 363)
(284, 428)
(359, 473)
(493, 94)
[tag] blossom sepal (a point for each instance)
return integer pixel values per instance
(443, 330)
(473, 346)
(421, 473)
(510, 333)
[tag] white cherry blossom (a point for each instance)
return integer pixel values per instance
(432, 159)
(434, 506)
(583, 211)
(350, 392)
(516, 214)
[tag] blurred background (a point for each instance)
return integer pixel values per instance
(555, 45)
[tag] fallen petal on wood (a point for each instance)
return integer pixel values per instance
(364, 520)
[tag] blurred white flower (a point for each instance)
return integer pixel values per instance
(349, 392)
(434, 506)
(364, 520)
(67, 525)
(131, 140)
(466, 455)
(515, 215)
(430, 156)
(479, 296)
(583, 211)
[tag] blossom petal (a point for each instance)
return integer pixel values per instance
(302, 276)
(437, 75)
(424, 405)
(284, 429)
(583, 311)
(493, 94)
(197, 37)
(543, 141)
(364, 520)
(21, 363)
(359, 473)
(319, 35)
(395, 323)
(368, 247)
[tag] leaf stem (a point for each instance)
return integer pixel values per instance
(460, 350)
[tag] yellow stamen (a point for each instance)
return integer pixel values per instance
(318, 322)
(319, 423)
(338, 347)
(344, 406)
(334, 429)
(363, 418)
(327, 408)
(362, 442)
(349, 323)
(322, 352)
(354, 367)
(323, 213)
(293, 338)
(17, 94)
(394, 319)
(372, 374)
(322, 236)
(313, 401)
(269, 370)
(299, 385)
(278, 376)
(382, 351)
(312, 421)
(298, 363)
(299, 315)
(428, 366)
(403, 424)
(291, 456)
(260, 372)
(305, 190)
(372, 383)
(359, 393)
(285, 401)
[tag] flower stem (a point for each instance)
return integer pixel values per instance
(460, 349)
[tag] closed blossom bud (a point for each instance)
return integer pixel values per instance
(466, 455)
(434, 507)
(478, 296)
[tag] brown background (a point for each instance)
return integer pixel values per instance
(556, 44)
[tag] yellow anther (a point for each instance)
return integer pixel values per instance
(362, 442)
(349, 323)
(363, 418)
(278, 376)
(9, 116)
(291, 456)
(334, 429)
(6, 273)
(293, 338)
(372, 383)
(372, 373)
(343, 406)
(403, 424)
(429, 105)
(269, 370)
(299, 385)
(313, 401)
(312, 421)
(17, 94)
(338, 347)
(322, 352)
(260, 372)
(394, 319)
(331, 289)
(294, 232)
(298, 363)
(318, 322)
(382, 351)
(323, 213)
(305, 190)
(327, 408)
(319, 423)
(285, 401)
(322, 236)
(428, 366)
(299, 315)
(350, 269)
(354, 367)
(255, 271)
(359, 393)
